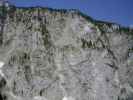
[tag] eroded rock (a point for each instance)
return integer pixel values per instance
(64, 55)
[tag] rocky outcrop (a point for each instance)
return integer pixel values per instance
(51, 54)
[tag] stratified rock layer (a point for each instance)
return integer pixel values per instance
(63, 55)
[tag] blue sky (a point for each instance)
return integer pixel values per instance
(119, 11)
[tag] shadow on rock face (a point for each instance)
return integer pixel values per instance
(3, 97)
(2, 83)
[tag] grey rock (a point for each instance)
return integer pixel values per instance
(52, 54)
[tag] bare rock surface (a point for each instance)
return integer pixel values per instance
(50, 54)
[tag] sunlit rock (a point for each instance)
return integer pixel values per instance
(50, 54)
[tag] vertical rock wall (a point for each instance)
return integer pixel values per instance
(63, 55)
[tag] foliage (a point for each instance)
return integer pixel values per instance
(86, 44)
(127, 30)
(86, 17)
(45, 36)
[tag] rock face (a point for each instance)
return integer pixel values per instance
(63, 55)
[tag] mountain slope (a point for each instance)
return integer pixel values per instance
(63, 55)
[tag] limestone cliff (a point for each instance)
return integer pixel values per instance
(51, 54)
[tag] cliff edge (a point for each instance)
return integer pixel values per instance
(51, 54)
